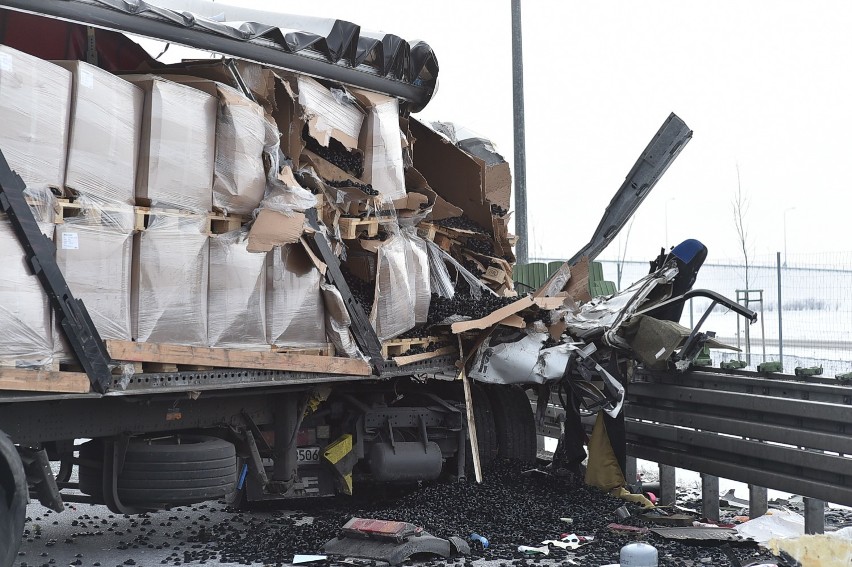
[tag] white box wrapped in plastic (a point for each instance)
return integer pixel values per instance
(35, 99)
(103, 146)
(237, 294)
(169, 287)
(294, 315)
(178, 145)
(26, 337)
(93, 251)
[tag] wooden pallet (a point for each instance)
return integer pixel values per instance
(397, 347)
(351, 227)
(427, 231)
(180, 355)
(216, 223)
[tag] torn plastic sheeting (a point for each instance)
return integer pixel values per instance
(602, 315)
(103, 145)
(338, 322)
(402, 285)
(775, 524)
(329, 116)
(381, 141)
(35, 98)
(295, 314)
(476, 286)
(523, 361)
(237, 294)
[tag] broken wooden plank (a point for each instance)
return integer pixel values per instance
(24, 380)
(412, 358)
(233, 358)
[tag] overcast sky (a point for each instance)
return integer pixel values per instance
(763, 84)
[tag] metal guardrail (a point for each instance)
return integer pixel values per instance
(770, 431)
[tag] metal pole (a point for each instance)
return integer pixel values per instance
(668, 485)
(780, 325)
(520, 136)
(710, 497)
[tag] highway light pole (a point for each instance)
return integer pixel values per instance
(522, 249)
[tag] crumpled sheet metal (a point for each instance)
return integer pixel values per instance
(519, 362)
(603, 316)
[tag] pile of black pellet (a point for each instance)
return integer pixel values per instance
(480, 246)
(463, 222)
(514, 506)
(362, 291)
(441, 308)
(336, 153)
(346, 183)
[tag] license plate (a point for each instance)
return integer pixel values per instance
(308, 454)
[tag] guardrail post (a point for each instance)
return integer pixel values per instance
(710, 496)
(757, 501)
(814, 516)
(630, 471)
(667, 485)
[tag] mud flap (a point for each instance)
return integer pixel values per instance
(341, 456)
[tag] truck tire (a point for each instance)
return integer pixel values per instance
(486, 433)
(514, 423)
(172, 470)
(13, 501)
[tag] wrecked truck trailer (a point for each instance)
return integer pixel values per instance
(271, 308)
(219, 274)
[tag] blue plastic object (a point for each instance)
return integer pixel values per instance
(476, 537)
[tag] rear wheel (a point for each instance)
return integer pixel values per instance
(514, 423)
(171, 470)
(13, 501)
(486, 434)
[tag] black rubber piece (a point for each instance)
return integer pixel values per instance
(514, 423)
(13, 501)
(173, 470)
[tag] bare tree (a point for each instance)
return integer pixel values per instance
(622, 252)
(740, 205)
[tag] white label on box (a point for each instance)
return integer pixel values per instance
(5, 62)
(70, 241)
(87, 79)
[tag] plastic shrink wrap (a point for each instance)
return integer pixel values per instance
(236, 300)
(381, 140)
(338, 322)
(178, 145)
(35, 98)
(330, 114)
(242, 135)
(402, 285)
(169, 289)
(93, 252)
(294, 306)
(103, 146)
(26, 338)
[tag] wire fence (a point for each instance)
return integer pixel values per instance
(809, 324)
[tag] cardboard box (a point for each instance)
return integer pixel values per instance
(35, 101)
(106, 124)
(94, 254)
(178, 145)
(242, 133)
(170, 279)
(25, 314)
(381, 141)
(472, 178)
(236, 299)
(295, 314)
